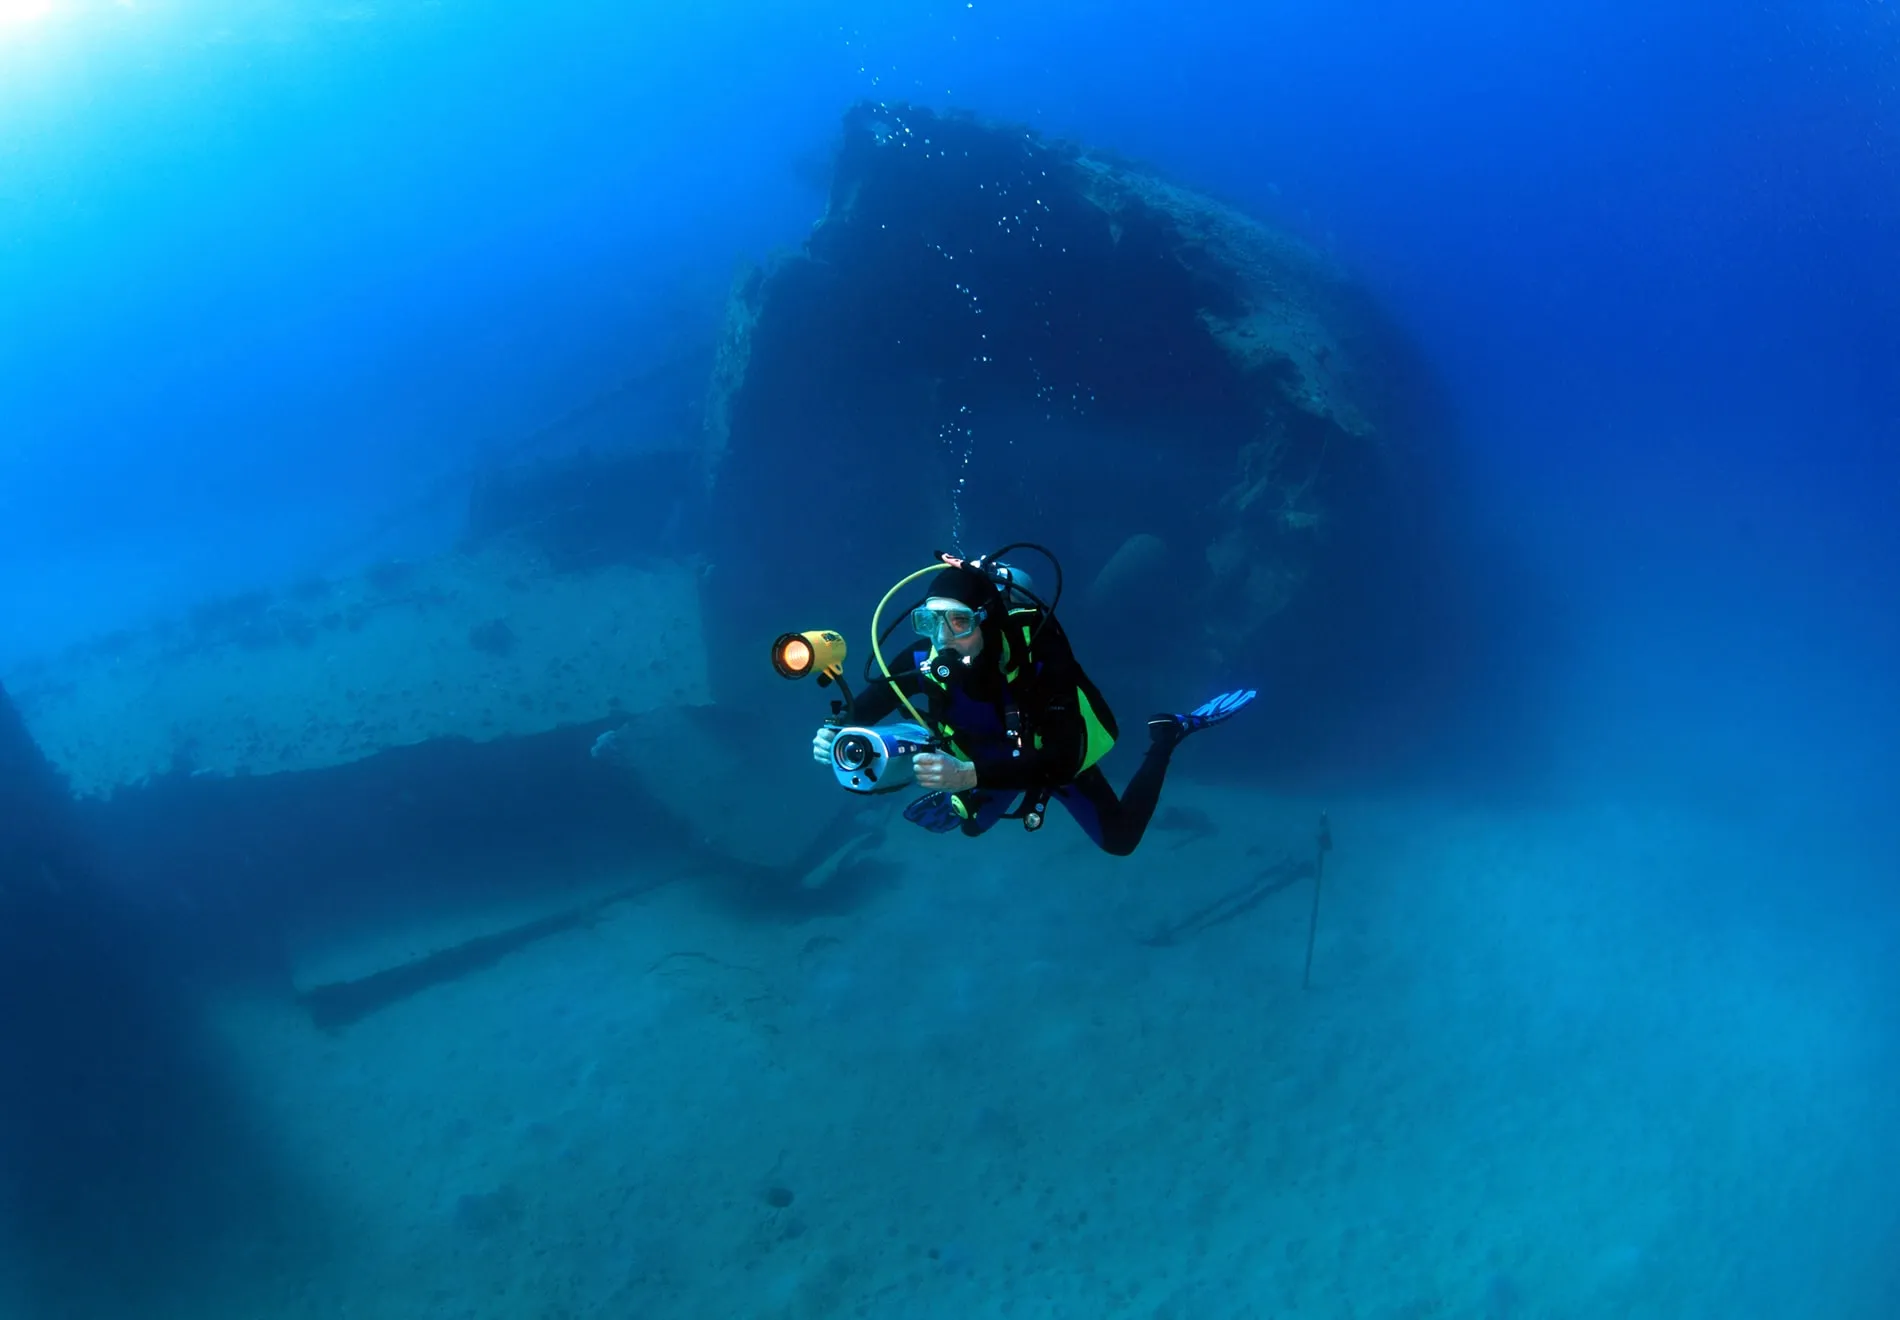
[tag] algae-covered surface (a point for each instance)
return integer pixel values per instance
(481, 646)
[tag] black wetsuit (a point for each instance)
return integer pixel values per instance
(973, 703)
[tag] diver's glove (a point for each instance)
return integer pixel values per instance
(1170, 729)
(821, 743)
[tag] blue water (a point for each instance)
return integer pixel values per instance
(276, 281)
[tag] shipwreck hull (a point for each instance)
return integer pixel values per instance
(316, 785)
(990, 337)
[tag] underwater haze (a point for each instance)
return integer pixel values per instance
(417, 420)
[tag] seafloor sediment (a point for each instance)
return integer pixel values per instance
(1510, 1091)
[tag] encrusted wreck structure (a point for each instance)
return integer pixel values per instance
(991, 336)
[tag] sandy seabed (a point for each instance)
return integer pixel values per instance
(1544, 1070)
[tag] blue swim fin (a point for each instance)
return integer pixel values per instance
(1173, 728)
(936, 812)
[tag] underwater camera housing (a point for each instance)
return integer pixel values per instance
(877, 759)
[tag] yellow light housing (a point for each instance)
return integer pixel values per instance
(798, 655)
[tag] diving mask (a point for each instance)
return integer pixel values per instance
(945, 623)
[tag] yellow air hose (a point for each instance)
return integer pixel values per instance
(877, 631)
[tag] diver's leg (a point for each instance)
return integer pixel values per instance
(1117, 824)
(1138, 800)
(1090, 801)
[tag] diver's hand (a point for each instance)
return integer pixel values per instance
(821, 744)
(935, 770)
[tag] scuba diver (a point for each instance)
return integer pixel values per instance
(1013, 717)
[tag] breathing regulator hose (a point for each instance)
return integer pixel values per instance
(877, 618)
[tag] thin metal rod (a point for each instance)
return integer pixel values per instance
(1323, 845)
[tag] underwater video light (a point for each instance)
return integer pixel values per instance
(820, 651)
